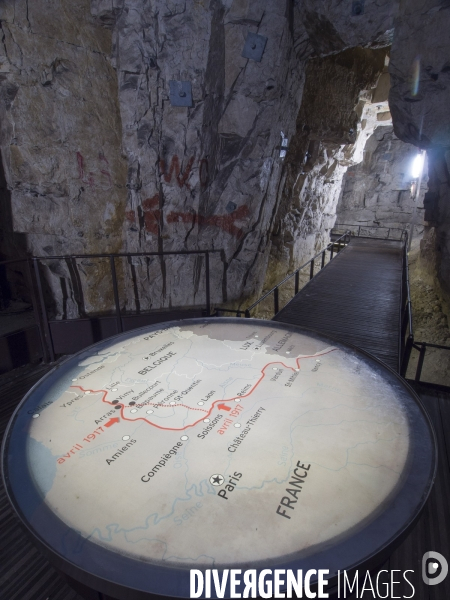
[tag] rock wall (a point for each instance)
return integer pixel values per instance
(60, 140)
(205, 176)
(335, 120)
(377, 191)
(97, 159)
(334, 26)
(419, 99)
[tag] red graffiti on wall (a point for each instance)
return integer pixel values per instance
(227, 223)
(130, 215)
(100, 177)
(152, 214)
(181, 178)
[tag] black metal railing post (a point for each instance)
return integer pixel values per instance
(323, 260)
(247, 313)
(406, 355)
(112, 265)
(276, 306)
(423, 347)
(208, 292)
(311, 270)
(47, 332)
(37, 316)
(297, 281)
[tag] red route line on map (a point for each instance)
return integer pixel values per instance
(131, 405)
(213, 404)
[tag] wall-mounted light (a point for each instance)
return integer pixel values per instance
(416, 173)
(417, 165)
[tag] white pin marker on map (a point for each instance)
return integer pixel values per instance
(237, 424)
(172, 403)
(133, 410)
(126, 437)
(275, 369)
(149, 412)
(200, 403)
(36, 416)
(87, 392)
(75, 379)
(114, 390)
(183, 438)
(237, 399)
(205, 420)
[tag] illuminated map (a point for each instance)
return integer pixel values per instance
(214, 442)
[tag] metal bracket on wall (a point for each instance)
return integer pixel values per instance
(180, 93)
(254, 46)
(357, 8)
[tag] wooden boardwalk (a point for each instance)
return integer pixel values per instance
(355, 298)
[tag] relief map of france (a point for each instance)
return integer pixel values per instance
(206, 443)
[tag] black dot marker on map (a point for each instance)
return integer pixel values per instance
(132, 403)
(118, 406)
(115, 401)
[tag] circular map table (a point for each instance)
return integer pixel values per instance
(216, 443)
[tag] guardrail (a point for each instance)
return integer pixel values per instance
(422, 348)
(368, 228)
(407, 341)
(332, 247)
(30, 269)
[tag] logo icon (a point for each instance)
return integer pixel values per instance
(434, 568)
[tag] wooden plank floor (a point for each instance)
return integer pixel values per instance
(26, 575)
(355, 298)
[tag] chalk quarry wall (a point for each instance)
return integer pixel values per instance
(97, 159)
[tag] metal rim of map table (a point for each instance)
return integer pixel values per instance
(120, 576)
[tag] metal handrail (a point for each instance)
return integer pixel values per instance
(342, 225)
(274, 290)
(407, 325)
(37, 293)
(422, 347)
